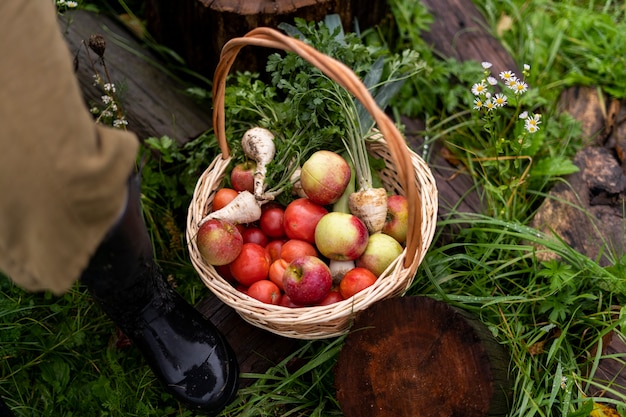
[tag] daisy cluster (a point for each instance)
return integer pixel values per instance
(487, 100)
(66, 4)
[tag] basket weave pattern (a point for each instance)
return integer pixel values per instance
(405, 173)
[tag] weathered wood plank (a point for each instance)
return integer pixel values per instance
(154, 102)
(459, 31)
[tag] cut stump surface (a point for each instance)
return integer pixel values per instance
(415, 356)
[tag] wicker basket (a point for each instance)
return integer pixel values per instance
(405, 173)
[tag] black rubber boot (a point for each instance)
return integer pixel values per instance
(185, 351)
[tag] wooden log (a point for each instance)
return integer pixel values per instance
(458, 31)
(593, 198)
(418, 357)
(198, 29)
(154, 101)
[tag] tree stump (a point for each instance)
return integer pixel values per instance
(418, 357)
(593, 199)
(198, 29)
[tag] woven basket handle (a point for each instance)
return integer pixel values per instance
(344, 76)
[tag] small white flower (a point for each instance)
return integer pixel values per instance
(511, 83)
(478, 103)
(519, 87)
(532, 123)
(526, 67)
(486, 65)
(563, 382)
(500, 100)
(106, 99)
(479, 88)
(94, 110)
(118, 123)
(492, 81)
(523, 115)
(109, 87)
(507, 76)
(489, 105)
(106, 114)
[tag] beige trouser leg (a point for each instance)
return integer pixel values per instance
(62, 178)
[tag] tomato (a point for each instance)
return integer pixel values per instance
(224, 271)
(301, 217)
(271, 222)
(285, 301)
(222, 197)
(331, 298)
(252, 234)
(265, 291)
(277, 270)
(274, 248)
(252, 264)
(294, 248)
(355, 280)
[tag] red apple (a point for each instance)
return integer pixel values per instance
(341, 236)
(219, 242)
(397, 222)
(324, 177)
(307, 280)
(380, 252)
(242, 176)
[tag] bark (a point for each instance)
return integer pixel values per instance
(197, 29)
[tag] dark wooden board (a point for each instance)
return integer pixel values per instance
(154, 101)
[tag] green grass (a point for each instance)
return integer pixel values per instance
(61, 356)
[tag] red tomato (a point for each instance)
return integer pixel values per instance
(277, 270)
(331, 298)
(271, 222)
(355, 280)
(265, 291)
(252, 264)
(274, 248)
(301, 217)
(252, 234)
(294, 248)
(285, 301)
(270, 205)
(223, 196)
(224, 271)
